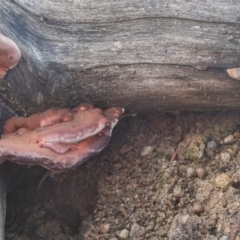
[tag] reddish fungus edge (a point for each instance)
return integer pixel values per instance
(10, 55)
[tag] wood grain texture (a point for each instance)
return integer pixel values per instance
(142, 55)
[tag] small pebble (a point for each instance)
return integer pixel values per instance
(159, 161)
(125, 148)
(211, 144)
(224, 237)
(225, 156)
(136, 231)
(236, 134)
(223, 181)
(150, 226)
(162, 215)
(229, 138)
(213, 237)
(235, 147)
(231, 191)
(217, 157)
(209, 152)
(200, 172)
(175, 163)
(118, 165)
(100, 215)
(169, 172)
(177, 191)
(104, 228)
(147, 150)
(190, 172)
(197, 208)
(124, 234)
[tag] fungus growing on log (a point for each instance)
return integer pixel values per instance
(60, 139)
(234, 73)
(10, 55)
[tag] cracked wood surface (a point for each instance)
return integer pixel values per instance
(142, 55)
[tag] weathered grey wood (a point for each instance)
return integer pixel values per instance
(111, 11)
(142, 55)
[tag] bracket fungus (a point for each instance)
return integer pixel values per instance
(58, 139)
(10, 55)
(234, 73)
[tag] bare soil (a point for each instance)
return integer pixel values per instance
(163, 176)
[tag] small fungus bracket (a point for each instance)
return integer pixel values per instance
(10, 55)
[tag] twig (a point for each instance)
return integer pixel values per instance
(174, 155)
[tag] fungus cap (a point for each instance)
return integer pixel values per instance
(10, 55)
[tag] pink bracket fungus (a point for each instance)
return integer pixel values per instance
(10, 55)
(234, 73)
(58, 139)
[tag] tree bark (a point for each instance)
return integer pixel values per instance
(142, 55)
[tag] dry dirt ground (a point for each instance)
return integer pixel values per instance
(163, 176)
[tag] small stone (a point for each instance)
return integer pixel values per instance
(236, 134)
(162, 215)
(177, 191)
(200, 172)
(235, 148)
(159, 161)
(211, 144)
(169, 172)
(118, 165)
(147, 150)
(212, 237)
(124, 234)
(224, 237)
(223, 181)
(175, 163)
(197, 208)
(100, 215)
(125, 148)
(137, 231)
(225, 157)
(150, 226)
(104, 228)
(209, 152)
(229, 138)
(231, 191)
(190, 172)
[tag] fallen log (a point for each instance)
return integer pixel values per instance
(141, 55)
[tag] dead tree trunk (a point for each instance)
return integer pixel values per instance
(142, 55)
